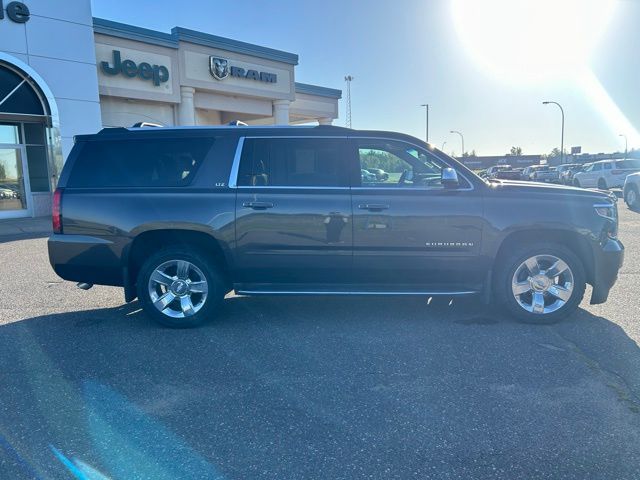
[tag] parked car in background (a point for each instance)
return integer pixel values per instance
(367, 176)
(492, 171)
(606, 174)
(508, 175)
(6, 191)
(538, 173)
(556, 174)
(379, 173)
(631, 191)
(566, 171)
(504, 172)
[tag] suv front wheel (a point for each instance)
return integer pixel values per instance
(540, 283)
(179, 288)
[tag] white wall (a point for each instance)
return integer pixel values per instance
(57, 42)
(120, 112)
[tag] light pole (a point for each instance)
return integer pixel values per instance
(426, 105)
(348, 79)
(625, 144)
(461, 138)
(562, 134)
(443, 144)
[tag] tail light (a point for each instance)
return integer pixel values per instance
(57, 210)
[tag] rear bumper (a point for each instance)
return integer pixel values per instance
(608, 260)
(82, 258)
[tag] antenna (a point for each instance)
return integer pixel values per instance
(348, 79)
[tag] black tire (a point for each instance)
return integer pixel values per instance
(632, 197)
(576, 183)
(506, 268)
(602, 184)
(211, 303)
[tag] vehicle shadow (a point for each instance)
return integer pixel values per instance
(314, 387)
(14, 237)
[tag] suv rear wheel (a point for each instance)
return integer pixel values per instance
(631, 197)
(602, 184)
(576, 182)
(179, 288)
(540, 283)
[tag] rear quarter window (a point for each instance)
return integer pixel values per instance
(166, 162)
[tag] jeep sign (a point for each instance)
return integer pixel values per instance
(156, 73)
(17, 12)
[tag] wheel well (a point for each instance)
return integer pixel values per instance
(148, 242)
(572, 240)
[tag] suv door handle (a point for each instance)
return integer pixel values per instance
(258, 205)
(373, 207)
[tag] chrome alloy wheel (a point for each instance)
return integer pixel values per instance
(178, 289)
(542, 284)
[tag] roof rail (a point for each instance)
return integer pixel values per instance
(145, 124)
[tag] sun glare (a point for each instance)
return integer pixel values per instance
(531, 40)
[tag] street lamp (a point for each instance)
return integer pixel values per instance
(461, 138)
(426, 105)
(562, 134)
(443, 144)
(625, 144)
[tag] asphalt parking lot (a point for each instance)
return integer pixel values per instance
(313, 387)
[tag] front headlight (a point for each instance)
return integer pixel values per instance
(610, 212)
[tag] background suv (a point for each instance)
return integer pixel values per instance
(179, 217)
(539, 173)
(566, 172)
(606, 174)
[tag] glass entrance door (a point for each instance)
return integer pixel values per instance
(14, 187)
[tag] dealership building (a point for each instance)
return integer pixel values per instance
(64, 73)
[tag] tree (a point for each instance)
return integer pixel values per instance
(554, 153)
(515, 151)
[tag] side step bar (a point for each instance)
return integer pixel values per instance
(320, 292)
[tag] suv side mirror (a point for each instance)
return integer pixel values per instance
(450, 178)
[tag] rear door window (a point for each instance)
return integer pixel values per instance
(162, 162)
(294, 162)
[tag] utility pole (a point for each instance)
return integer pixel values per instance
(348, 79)
(426, 137)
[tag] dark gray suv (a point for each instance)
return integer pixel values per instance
(179, 217)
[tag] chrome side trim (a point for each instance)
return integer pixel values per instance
(233, 176)
(369, 293)
(276, 187)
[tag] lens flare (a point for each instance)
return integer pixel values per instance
(522, 41)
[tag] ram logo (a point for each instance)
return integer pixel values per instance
(219, 67)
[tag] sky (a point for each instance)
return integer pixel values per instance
(483, 71)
